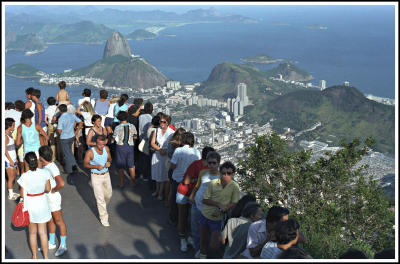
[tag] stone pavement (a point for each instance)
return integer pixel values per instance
(139, 228)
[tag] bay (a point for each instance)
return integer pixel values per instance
(359, 52)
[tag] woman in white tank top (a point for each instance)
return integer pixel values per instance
(10, 158)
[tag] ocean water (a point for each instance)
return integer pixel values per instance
(357, 47)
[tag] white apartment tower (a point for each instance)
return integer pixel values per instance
(242, 93)
(322, 84)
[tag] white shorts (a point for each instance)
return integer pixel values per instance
(54, 201)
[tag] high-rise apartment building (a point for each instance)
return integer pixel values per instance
(322, 84)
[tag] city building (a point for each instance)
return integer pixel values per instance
(322, 84)
(242, 93)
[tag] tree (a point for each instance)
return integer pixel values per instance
(336, 206)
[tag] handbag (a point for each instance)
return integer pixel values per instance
(20, 216)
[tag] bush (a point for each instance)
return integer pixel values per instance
(337, 208)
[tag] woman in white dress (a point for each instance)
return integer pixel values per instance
(159, 143)
(36, 182)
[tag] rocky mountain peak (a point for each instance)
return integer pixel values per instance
(117, 45)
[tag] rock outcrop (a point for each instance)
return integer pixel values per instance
(117, 45)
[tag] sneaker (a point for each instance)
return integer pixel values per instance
(160, 198)
(202, 256)
(154, 194)
(190, 241)
(61, 250)
(145, 179)
(183, 245)
(51, 246)
(197, 255)
(105, 223)
(13, 197)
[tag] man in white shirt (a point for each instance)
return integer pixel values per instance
(86, 97)
(10, 112)
(261, 232)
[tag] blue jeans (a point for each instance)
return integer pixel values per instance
(195, 226)
(66, 146)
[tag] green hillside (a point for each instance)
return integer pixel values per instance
(26, 42)
(21, 70)
(141, 34)
(81, 32)
(290, 72)
(343, 112)
(224, 78)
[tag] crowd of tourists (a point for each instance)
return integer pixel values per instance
(203, 199)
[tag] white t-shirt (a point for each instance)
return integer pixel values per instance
(92, 101)
(110, 112)
(54, 171)
(182, 158)
(50, 112)
(14, 114)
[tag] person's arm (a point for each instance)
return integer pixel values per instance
(67, 96)
(58, 96)
(172, 166)
(6, 152)
(89, 138)
(19, 136)
(41, 132)
(79, 128)
(109, 159)
(39, 112)
(78, 110)
(153, 142)
(60, 183)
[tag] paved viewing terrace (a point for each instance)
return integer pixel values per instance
(139, 228)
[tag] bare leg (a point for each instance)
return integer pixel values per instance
(51, 225)
(183, 210)
(121, 177)
(161, 190)
(11, 177)
(33, 239)
(43, 239)
(204, 234)
(215, 242)
(21, 167)
(132, 174)
(167, 194)
(59, 221)
(158, 187)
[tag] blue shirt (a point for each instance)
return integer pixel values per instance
(118, 108)
(66, 124)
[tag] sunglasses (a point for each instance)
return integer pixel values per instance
(164, 122)
(227, 172)
(212, 163)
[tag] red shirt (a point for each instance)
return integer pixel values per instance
(172, 127)
(193, 170)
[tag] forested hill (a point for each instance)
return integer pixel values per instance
(343, 112)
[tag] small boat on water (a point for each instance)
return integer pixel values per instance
(31, 52)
